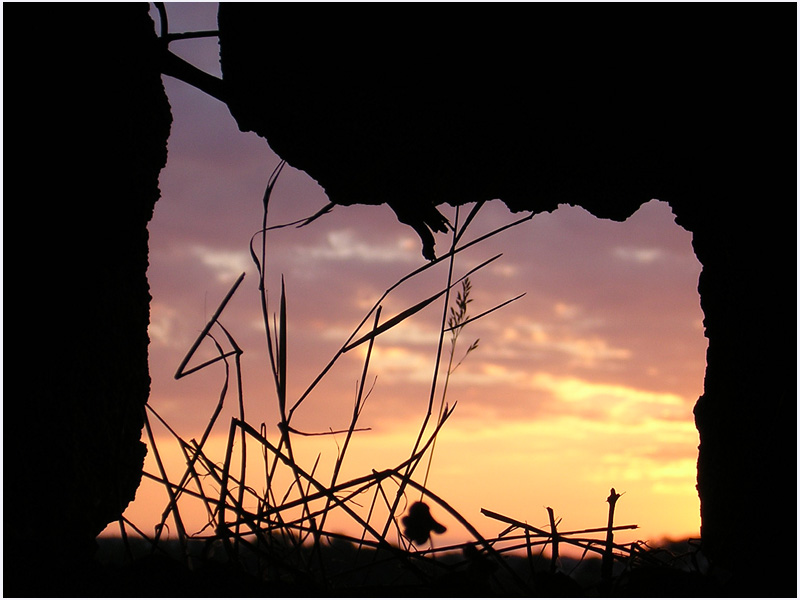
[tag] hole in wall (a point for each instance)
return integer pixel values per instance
(586, 383)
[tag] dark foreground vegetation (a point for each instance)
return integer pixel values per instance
(340, 569)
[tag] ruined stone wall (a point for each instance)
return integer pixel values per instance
(88, 121)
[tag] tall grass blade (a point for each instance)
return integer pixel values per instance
(180, 372)
(173, 504)
(393, 322)
(484, 313)
(282, 354)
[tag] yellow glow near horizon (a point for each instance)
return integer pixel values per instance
(513, 468)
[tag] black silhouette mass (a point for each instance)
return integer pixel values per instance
(604, 107)
(418, 524)
(588, 110)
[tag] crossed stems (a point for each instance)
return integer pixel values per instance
(278, 366)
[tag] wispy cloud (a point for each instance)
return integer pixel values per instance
(643, 256)
(610, 402)
(227, 265)
(347, 245)
(527, 338)
(162, 325)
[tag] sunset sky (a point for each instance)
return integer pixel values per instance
(585, 383)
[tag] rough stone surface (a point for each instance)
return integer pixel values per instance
(89, 121)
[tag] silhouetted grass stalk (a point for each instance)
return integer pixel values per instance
(410, 468)
(608, 554)
(358, 405)
(554, 560)
(588, 544)
(173, 504)
(455, 324)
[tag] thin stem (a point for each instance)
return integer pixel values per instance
(190, 35)
(181, 372)
(554, 560)
(411, 466)
(474, 532)
(356, 412)
(348, 345)
(172, 500)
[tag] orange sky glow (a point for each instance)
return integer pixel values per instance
(585, 383)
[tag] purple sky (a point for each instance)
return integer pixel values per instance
(597, 366)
